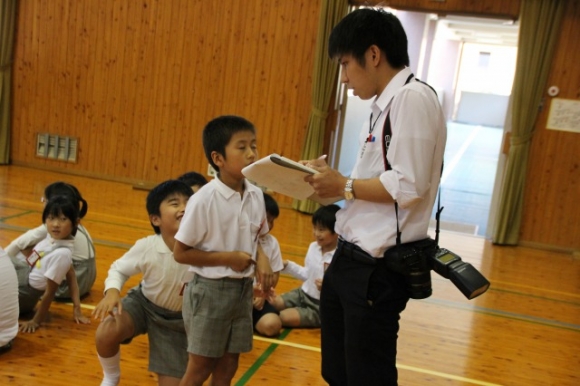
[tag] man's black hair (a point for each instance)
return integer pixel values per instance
(62, 205)
(218, 133)
(61, 188)
(325, 216)
(161, 192)
(193, 178)
(271, 206)
(362, 28)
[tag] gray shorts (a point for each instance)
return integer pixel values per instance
(86, 272)
(218, 316)
(308, 308)
(165, 331)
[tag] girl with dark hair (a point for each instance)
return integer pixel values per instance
(49, 263)
(83, 251)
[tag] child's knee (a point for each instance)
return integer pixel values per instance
(114, 330)
(269, 325)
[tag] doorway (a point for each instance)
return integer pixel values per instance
(471, 63)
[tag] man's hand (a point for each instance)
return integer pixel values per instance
(328, 182)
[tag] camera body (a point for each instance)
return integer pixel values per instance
(416, 259)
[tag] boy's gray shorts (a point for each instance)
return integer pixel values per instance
(308, 308)
(218, 316)
(165, 331)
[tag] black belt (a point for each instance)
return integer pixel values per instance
(354, 252)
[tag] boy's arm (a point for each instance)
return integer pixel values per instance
(42, 310)
(237, 260)
(264, 274)
(73, 286)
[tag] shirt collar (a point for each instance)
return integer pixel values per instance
(382, 101)
(228, 192)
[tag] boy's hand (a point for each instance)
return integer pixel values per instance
(79, 317)
(318, 283)
(240, 261)
(110, 305)
(259, 303)
(264, 274)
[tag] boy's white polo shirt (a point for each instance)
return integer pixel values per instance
(217, 218)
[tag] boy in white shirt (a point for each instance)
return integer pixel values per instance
(265, 317)
(300, 307)
(218, 238)
(153, 307)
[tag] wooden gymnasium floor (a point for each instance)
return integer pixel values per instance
(524, 331)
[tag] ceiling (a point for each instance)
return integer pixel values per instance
(478, 30)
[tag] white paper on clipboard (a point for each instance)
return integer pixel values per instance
(285, 176)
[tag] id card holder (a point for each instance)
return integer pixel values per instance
(33, 258)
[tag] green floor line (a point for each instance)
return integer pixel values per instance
(16, 215)
(260, 361)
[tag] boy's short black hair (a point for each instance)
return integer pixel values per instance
(362, 28)
(161, 192)
(193, 178)
(219, 131)
(325, 216)
(61, 188)
(62, 205)
(271, 206)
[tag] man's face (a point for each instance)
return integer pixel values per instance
(358, 78)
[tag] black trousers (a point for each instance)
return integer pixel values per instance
(360, 306)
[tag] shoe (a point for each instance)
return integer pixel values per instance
(6, 347)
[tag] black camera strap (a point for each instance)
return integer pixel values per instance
(387, 136)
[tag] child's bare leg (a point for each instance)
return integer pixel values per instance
(269, 325)
(110, 333)
(225, 370)
(166, 380)
(290, 317)
(198, 370)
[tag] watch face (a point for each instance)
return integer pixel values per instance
(348, 195)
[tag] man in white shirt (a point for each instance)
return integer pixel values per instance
(361, 300)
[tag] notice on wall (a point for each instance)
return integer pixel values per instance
(564, 115)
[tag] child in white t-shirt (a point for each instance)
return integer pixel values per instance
(218, 238)
(300, 307)
(50, 262)
(154, 306)
(265, 317)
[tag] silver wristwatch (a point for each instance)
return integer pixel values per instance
(348, 192)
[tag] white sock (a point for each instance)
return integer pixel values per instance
(111, 369)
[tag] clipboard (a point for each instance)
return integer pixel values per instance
(285, 176)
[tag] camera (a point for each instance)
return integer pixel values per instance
(416, 259)
(466, 278)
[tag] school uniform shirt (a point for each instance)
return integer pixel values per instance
(313, 269)
(416, 156)
(219, 219)
(271, 248)
(55, 262)
(163, 277)
(83, 245)
(9, 308)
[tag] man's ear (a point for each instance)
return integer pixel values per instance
(374, 54)
(155, 219)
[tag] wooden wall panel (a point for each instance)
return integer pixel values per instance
(551, 214)
(490, 8)
(137, 81)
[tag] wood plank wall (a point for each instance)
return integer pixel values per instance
(551, 214)
(136, 82)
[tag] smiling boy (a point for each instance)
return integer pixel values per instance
(154, 306)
